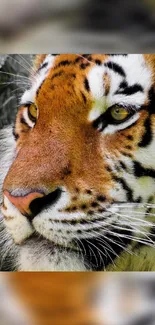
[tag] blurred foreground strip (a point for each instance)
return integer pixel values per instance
(12, 308)
(77, 299)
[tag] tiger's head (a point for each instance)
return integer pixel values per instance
(82, 171)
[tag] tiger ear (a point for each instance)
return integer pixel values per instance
(39, 58)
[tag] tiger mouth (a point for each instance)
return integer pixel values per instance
(64, 231)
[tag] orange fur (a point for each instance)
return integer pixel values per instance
(64, 149)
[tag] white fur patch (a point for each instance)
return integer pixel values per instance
(27, 120)
(95, 79)
(29, 95)
(146, 156)
(48, 260)
(17, 224)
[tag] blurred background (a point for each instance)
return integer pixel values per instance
(77, 299)
(30, 26)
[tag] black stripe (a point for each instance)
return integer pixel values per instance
(75, 222)
(78, 59)
(151, 107)
(138, 200)
(86, 84)
(116, 68)
(57, 74)
(84, 97)
(15, 134)
(22, 120)
(126, 154)
(139, 170)
(128, 190)
(84, 65)
(44, 65)
(130, 90)
(98, 62)
(123, 84)
(147, 136)
(63, 63)
(123, 166)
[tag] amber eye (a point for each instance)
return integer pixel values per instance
(119, 113)
(32, 112)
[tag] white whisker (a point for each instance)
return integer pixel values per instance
(22, 65)
(31, 67)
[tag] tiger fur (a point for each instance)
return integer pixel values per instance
(78, 174)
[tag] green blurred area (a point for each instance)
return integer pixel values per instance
(149, 3)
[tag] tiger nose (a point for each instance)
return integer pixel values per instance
(23, 203)
(34, 202)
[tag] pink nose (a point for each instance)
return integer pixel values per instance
(22, 203)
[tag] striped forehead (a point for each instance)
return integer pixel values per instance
(123, 79)
(129, 80)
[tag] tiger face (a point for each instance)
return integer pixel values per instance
(82, 171)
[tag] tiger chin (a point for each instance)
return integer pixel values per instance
(77, 174)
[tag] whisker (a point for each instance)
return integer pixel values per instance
(109, 248)
(129, 205)
(137, 239)
(140, 213)
(107, 230)
(106, 249)
(14, 82)
(14, 75)
(23, 66)
(135, 231)
(90, 249)
(116, 243)
(28, 65)
(130, 217)
(76, 240)
(99, 251)
(31, 67)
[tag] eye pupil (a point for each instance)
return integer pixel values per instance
(119, 113)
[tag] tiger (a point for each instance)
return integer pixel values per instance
(77, 168)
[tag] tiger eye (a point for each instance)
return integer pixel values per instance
(33, 112)
(119, 113)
